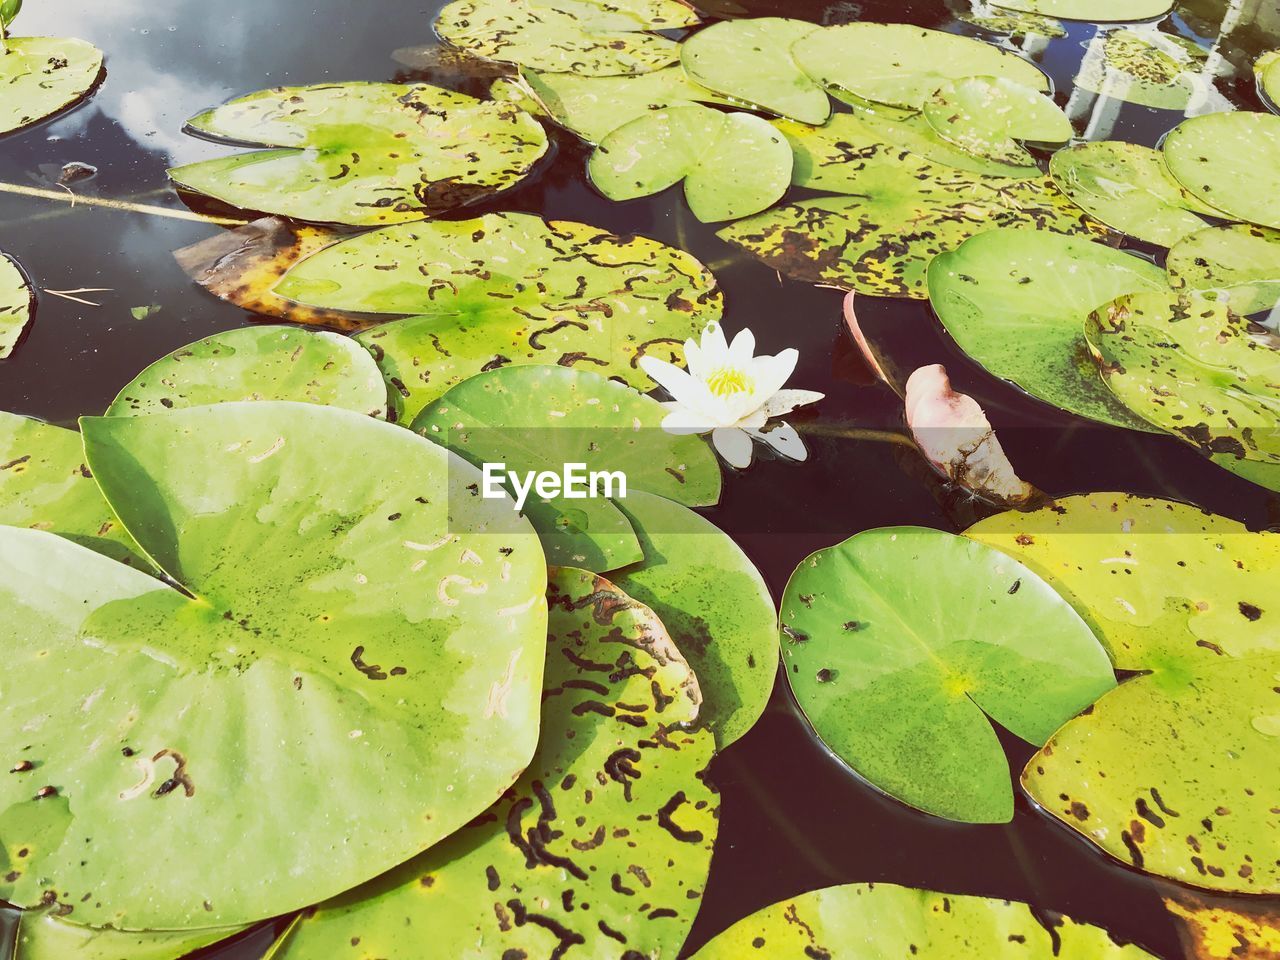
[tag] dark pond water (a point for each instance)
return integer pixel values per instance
(793, 817)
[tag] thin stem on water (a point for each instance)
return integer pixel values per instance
(150, 210)
(855, 433)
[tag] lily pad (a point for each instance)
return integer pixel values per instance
(1188, 365)
(363, 153)
(43, 936)
(732, 164)
(1230, 161)
(593, 107)
(901, 65)
(988, 116)
(17, 304)
(1267, 72)
(898, 668)
(42, 75)
(349, 619)
(591, 38)
(981, 13)
(750, 60)
(259, 363)
(1240, 260)
(900, 214)
(1151, 69)
(1128, 187)
(713, 602)
(883, 920)
(1214, 928)
(1016, 301)
(1096, 11)
(602, 847)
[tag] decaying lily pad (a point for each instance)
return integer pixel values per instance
(17, 304)
(591, 38)
(1128, 187)
(1152, 69)
(363, 153)
(732, 164)
(1240, 260)
(1016, 301)
(883, 920)
(259, 363)
(898, 667)
(1231, 161)
(1187, 364)
(383, 638)
(1217, 929)
(989, 116)
(989, 17)
(1096, 11)
(901, 212)
(750, 61)
(42, 75)
(900, 64)
(713, 602)
(602, 847)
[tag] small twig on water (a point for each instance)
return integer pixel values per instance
(70, 294)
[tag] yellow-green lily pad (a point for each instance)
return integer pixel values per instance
(1096, 11)
(1239, 260)
(42, 75)
(1230, 161)
(17, 304)
(992, 116)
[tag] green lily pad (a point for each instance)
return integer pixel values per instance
(1263, 474)
(602, 847)
(363, 153)
(42, 936)
(988, 116)
(1096, 11)
(901, 213)
(591, 38)
(42, 75)
(1188, 365)
(732, 164)
(45, 484)
(340, 625)
(750, 61)
(541, 418)
(713, 602)
(1240, 260)
(258, 363)
(900, 643)
(994, 20)
(593, 107)
(17, 304)
(901, 65)
(883, 920)
(1230, 161)
(1016, 301)
(1267, 73)
(1128, 187)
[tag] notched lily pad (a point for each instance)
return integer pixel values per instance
(1096, 11)
(602, 847)
(1230, 161)
(17, 304)
(989, 116)
(363, 153)
(732, 164)
(1240, 261)
(42, 75)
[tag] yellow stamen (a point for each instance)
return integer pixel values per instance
(729, 380)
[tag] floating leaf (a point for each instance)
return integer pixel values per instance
(363, 153)
(1016, 302)
(1188, 365)
(43, 936)
(883, 920)
(376, 640)
(902, 213)
(1240, 260)
(900, 64)
(1268, 76)
(732, 164)
(537, 418)
(258, 363)
(1222, 930)
(982, 14)
(42, 75)
(1230, 161)
(750, 61)
(591, 38)
(899, 644)
(1128, 187)
(17, 304)
(1148, 68)
(602, 847)
(713, 602)
(1097, 11)
(988, 116)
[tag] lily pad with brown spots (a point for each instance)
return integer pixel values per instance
(364, 154)
(1215, 928)
(1230, 161)
(602, 847)
(1240, 261)
(1151, 69)
(43, 75)
(992, 117)
(17, 304)
(1011, 22)
(1096, 11)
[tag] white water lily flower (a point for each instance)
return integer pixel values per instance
(732, 394)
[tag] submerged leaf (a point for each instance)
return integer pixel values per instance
(1149, 68)
(1097, 11)
(381, 640)
(900, 643)
(1230, 161)
(363, 153)
(983, 14)
(988, 116)
(1016, 302)
(602, 847)
(17, 304)
(42, 75)
(1239, 260)
(732, 164)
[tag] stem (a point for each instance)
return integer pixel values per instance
(154, 211)
(855, 433)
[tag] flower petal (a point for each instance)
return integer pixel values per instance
(786, 441)
(772, 372)
(715, 348)
(682, 420)
(734, 445)
(784, 401)
(743, 348)
(677, 382)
